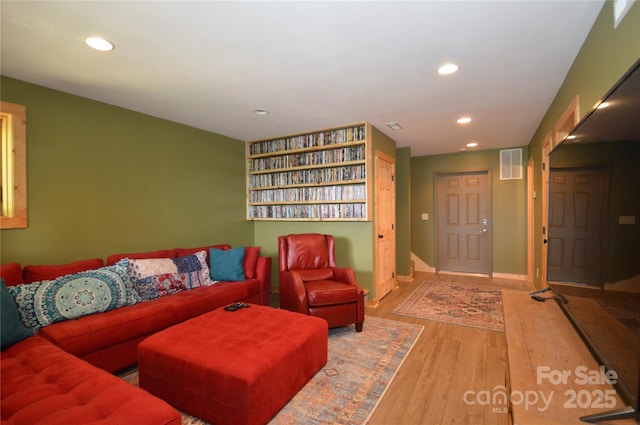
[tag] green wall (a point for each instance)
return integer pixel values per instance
(605, 56)
(103, 179)
(403, 212)
(509, 208)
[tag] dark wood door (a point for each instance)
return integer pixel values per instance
(464, 222)
(576, 224)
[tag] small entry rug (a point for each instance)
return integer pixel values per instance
(457, 303)
(348, 388)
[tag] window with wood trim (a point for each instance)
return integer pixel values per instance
(13, 120)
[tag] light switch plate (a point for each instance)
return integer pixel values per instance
(627, 219)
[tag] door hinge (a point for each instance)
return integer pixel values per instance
(393, 274)
(544, 230)
(393, 227)
(544, 166)
(393, 177)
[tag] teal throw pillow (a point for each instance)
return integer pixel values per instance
(12, 328)
(227, 265)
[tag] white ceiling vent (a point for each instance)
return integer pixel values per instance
(511, 164)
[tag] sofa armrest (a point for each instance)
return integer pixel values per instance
(263, 273)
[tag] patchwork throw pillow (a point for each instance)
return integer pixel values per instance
(156, 277)
(13, 330)
(227, 265)
(69, 297)
(153, 287)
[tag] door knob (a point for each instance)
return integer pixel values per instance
(380, 236)
(544, 241)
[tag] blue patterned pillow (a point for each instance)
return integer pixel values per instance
(69, 297)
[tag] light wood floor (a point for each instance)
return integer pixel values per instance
(446, 362)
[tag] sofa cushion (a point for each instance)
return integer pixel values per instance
(309, 275)
(227, 265)
(43, 384)
(330, 292)
(13, 330)
(73, 296)
(11, 273)
(163, 253)
(49, 272)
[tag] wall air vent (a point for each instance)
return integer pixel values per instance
(511, 164)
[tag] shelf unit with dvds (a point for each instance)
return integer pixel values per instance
(322, 175)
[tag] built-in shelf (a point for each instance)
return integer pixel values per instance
(320, 175)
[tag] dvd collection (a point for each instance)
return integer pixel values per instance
(352, 192)
(315, 211)
(312, 140)
(312, 176)
(354, 153)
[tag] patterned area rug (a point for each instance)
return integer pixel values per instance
(349, 387)
(460, 304)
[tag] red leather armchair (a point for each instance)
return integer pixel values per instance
(310, 282)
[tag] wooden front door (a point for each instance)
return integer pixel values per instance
(464, 222)
(385, 212)
(576, 224)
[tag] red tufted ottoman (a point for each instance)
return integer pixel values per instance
(234, 367)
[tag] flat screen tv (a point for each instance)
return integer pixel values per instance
(594, 236)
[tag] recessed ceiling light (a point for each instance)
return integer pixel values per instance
(571, 137)
(99, 43)
(394, 126)
(260, 111)
(464, 120)
(472, 144)
(448, 68)
(603, 105)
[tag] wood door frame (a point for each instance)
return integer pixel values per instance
(388, 158)
(531, 222)
(437, 218)
(546, 150)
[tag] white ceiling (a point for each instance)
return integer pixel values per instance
(311, 64)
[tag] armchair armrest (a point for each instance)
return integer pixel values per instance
(293, 296)
(346, 275)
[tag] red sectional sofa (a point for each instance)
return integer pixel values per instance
(108, 341)
(43, 384)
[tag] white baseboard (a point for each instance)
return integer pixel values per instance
(421, 266)
(510, 276)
